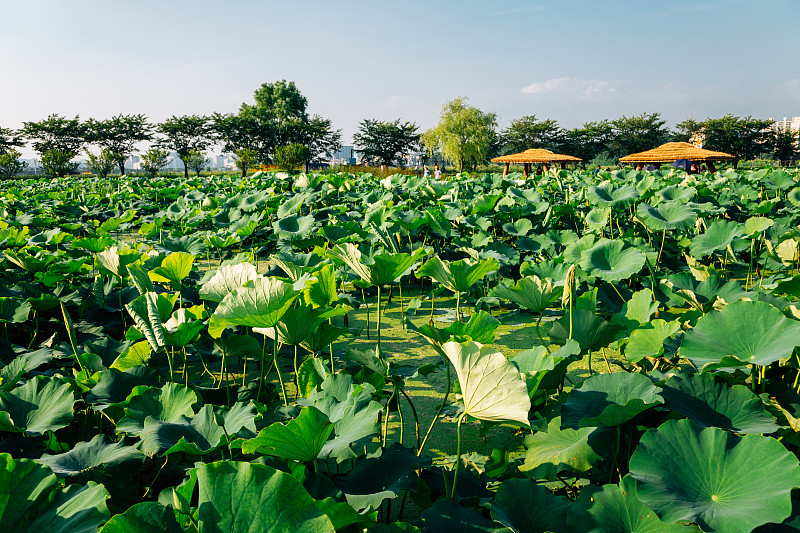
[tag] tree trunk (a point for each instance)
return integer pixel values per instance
(461, 165)
(185, 170)
(244, 171)
(121, 167)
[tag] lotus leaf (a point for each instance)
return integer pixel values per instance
(236, 496)
(40, 405)
(301, 439)
(743, 333)
(719, 235)
(711, 404)
(530, 293)
(714, 479)
(491, 387)
(667, 216)
(611, 261)
(608, 400)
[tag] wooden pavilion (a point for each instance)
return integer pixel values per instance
(535, 155)
(670, 152)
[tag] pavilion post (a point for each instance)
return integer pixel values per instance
(545, 167)
(711, 167)
(505, 170)
(527, 169)
(563, 165)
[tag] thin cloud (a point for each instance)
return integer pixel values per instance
(677, 11)
(573, 87)
(517, 11)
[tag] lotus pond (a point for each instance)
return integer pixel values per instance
(343, 353)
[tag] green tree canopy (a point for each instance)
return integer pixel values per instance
(587, 142)
(530, 132)
(637, 134)
(185, 134)
(56, 133)
(119, 135)
(464, 135)
(742, 137)
(785, 143)
(291, 156)
(385, 142)
(10, 164)
(10, 139)
(153, 161)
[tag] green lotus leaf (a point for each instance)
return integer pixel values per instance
(13, 310)
(608, 400)
(384, 268)
(591, 331)
(617, 509)
(115, 260)
(648, 340)
(140, 277)
(86, 456)
(31, 500)
(322, 291)
(597, 218)
(143, 517)
(352, 411)
(757, 224)
(299, 323)
(293, 226)
(779, 179)
(524, 506)
(555, 449)
(520, 228)
(114, 386)
(710, 404)
(794, 196)
(93, 245)
(637, 311)
(183, 326)
(608, 195)
(322, 337)
(226, 279)
(374, 479)
(719, 235)
(667, 216)
(138, 354)
(457, 276)
(480, 328)
(148, 312)
(491, 387)
(201, 434)
(168, 404)
(714, 479)
(292, 205)
(189, 244)
(537, 364)
(42, 404)
(448, 516)
(743, 333)
(611, 261)
(173, 269)
(236, 496)
(790, 287)
(530, 293)
(300, 439)
(260, 305)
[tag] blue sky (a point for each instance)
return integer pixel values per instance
(570, 60)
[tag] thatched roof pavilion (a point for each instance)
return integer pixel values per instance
(669, 152)
(534, 155)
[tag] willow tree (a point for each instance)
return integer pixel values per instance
(465, 134)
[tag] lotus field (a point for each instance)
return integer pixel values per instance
(333, 353)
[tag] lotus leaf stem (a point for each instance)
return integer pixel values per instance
(458, 454)
(277, 367)
(414, 414)
(438, 412)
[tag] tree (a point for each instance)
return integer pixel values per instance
(10, 139)
(102, 164)
(744, 138)
(153, 161)
(318, 136)
(684, 131)
(10, 164)
(119, 135)
(58, 163)
(785, 144)
(244, 159)
(385, 142)
(465, 134)
(279, 117)
(587, 142)
(244, 130)
(637, 134)
(291, 156)
(56, 133)
(529, 132)
(196, 160)
(185, 134)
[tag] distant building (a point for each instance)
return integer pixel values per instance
(346, 155)
(786, 124)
